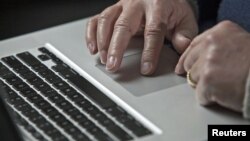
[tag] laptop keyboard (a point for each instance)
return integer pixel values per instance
(56, 103)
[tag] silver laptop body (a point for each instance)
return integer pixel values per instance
(164, 103)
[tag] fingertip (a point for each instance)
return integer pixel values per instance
(181, 42)
(147, 68)
(103, 56)
(179, 70)
(92, 48)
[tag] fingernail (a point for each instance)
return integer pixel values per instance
(111, 63)
(103, 57)
(146, 67)
(177, 69)
(91, 48)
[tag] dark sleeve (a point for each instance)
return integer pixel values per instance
(237, 11)
(208, 11)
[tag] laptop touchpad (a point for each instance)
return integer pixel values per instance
(130, 78)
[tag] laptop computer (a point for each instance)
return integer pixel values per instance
(57, 91)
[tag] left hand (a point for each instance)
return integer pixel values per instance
(219, 61)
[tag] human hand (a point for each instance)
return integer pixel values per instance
(219, 61)
(110, 32)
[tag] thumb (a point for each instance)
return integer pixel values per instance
(184, 33)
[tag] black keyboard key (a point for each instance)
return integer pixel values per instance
(75, 97)
(64, 124)
(43, 57)
(29, 92)
(72, 130)
(49, 93)
(80, 137)
(36, 118)
(137, 128)
(28, 58)
(30, 128)
(79, 117)
(119, 133)
(103, 137)
(105, 121)
(34, 99)
(15, 99)
(56, 98)
(58, 117)
(60, 67)
(50, 111)
(52, 131)
(116, 111)
(7, 75)
(68, 73)
(59, 137)
(30, 112)
(22, 106)
(44, 50)
(20, 86)
(35, 80)
(28, 76)
(56, 60)
(61, 85)
(4, 71)
(44, 125)
(84, 104)
(68, 90)
(42, 87)
(87, 124)
(95, 130)
(53, 79)
(38, 136)
(46, 73)
(91, 91)
(42, 104)
(12, 62)
(71, 111)
(64, 105)
(10, 93)
(13, 80)
(39, 67)
(21, 69)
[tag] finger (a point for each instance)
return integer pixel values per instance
(91, 35)
(194, 55)
(179, 69)
(125, 27)
(204, 92)
(106, 22)
(154, 39)
(184, 33)
(201, 39)
(196, 69)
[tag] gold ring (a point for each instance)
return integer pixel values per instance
(190, 81)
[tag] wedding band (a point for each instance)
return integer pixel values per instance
(190, 81)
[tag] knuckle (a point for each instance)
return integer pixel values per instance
(212, 55)
(154, 29)
(208, 75)
(122, 24)
(157, 2)
(226, 24)
(149, 54)
(103, 17)
(211, 38)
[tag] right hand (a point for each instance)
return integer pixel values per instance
(110, 32)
